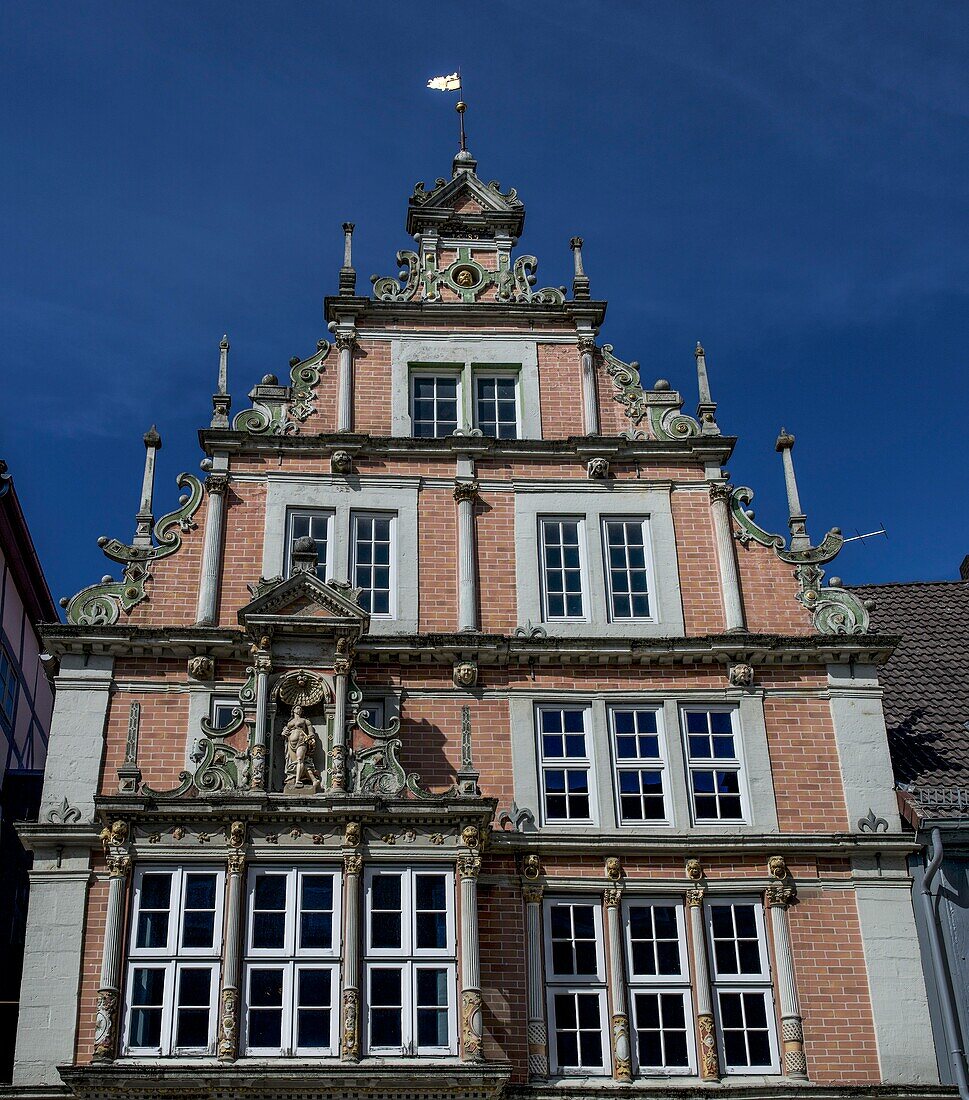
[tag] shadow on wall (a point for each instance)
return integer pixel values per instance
(423, 751)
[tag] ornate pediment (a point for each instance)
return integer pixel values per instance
(304, 600)
(465, 206)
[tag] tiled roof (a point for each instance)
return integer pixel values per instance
(926, 685)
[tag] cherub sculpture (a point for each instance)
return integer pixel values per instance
(300, 742)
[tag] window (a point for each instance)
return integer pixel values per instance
(625, 543)
(220, 711)
(435, 404)
(563, 568)
(659, 986)
(173, 962)
(496, 405)
(713, 759)
(410, 962)
(741, 976)
(8, 686)
(565, 763)
(575, 973)
(318, 526)
(292, 962)
(373, 569)
(640, 765)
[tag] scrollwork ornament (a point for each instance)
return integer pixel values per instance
(622, 1062)
(709, 1061)
(304, 377)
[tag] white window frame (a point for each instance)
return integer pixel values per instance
(484, 372)
(327, 514)
(355, 517)
(735, 764)
(758, 983)
(572, 984)
(454, 371)
(675, 984)
(580, 521)
(173, 957)
(643, 522)
(565, 763)
(641, 763)
(291, 958)
(409, 958)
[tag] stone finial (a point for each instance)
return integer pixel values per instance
(221, 401)
(152, 438)
(305, 555)
(797, 521)
(144, 520)
(348, 277)
(580, 281)
(706, 410)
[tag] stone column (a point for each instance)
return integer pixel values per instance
(733, 608)
(229, 1001)
(471, 1029)
(466, 493)
(337, 771)
(350, 997)
(590, 402)
(776, 899)
(217, 485)
(621, 1059)
(537, 1028)
(344, 415)
(109, 991)
(263, 666)
(706, 1034)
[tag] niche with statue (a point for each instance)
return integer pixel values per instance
(302, 736)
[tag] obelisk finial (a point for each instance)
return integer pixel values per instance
(348, 277)
(144, 520)
(580, 281)
(706, 409)
(797, 521)
(220, 399)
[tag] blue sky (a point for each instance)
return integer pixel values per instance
(786, 183)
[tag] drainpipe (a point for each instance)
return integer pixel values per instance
(950, 1022)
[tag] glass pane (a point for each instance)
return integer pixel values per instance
(156, 890)
(385, 891)
(199, 891)
(194, 987)
(431, 892)
(192, 1029)
(148, 986)
(268, 930)
(431, 930)
(265, 988)
(316, 930)
(385, 930)
(152, 929)
(270, 892)
(313, 1028)
(313, 988)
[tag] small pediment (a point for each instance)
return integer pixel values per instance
(465, 202)
(304, 598)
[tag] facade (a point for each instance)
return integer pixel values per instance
(26, 701)
(927, 713)
(461, 733)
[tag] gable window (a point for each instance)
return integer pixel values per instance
(576, 987)
(496, 405)
(173, 962)
(626, 547)
(640, 765)
(410, 962)
(435, 404)
(220, 711)
(714, 763)
(318, 525)
(8, 686)
(659, 986)
(563, 567)
(565, 764)
(373, 565)
(741, 976)
(292, 962)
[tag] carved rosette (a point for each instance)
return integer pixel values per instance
(621, 1061)
(350, 1038)
(471, 1025)
(795, 1064)
(228, 1025)
(709, 1062)
(105, 1025)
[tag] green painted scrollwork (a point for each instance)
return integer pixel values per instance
(661, 408)
(388, 289)
(524, 275)
(303, 380)
(102, 604)
(219, 767)
(625, 379)
(265, 418)
(378, 771)
(670, 423)
(833, 610)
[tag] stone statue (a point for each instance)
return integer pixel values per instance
(300, 742)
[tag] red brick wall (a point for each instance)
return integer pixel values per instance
(438, 572)
(245, 524)
(560, 390)
(497, 589)
(371, 387)
(94, 924)
(696, 553)
(768, 589)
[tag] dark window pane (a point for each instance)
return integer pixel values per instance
(668, 952)
(316, 930)
(745, 921)
(199, 891)
(146, 1027)
(313, 1028)
(726, 957)
(591, 1044)
(194, 987)
(585, 957)
(759, 1045)
(385, 892)
(562, 962)
(431, 891)
(734, 1048)
(198, 929)
(265, 1028)
(192, 1030)
(385, 987)
(152, 929)
(265, 988)
(268, 930)
(156, 890)
(431, 930)
(731, 1015)
(676, 1052)
(385, 1027)
(431, 1027)
(148, 986)
(696, 721)
(270, 892)
(722, 920)
(385, 930)
(314, 988)
(647, 1010)
(650, 1048)
(567, 1048)
(588, 1010)
(565, 1010)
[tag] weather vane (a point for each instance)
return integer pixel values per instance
(452, 83)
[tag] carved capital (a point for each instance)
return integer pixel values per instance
(119, 866)
(532, 892)
(466, 490)
(694, 897)
(587, 343)
(779, 896)
(353, 863)
(235, 862)
(217, 484)
(612, 897)
(469, 866)
(342, 666)
(720, 492)
(344, 340)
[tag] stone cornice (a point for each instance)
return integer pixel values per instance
(705, 449)
(494, 649)
(370, 309)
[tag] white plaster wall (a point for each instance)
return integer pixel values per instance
(862, 740)
(52, 969)
(898, 998)
(76, 746)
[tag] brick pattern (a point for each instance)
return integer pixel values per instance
(437, 537)
(768, 589)
(94, 925)
(696, 553)
(560, 390)
(245, 520)
(497, 589)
